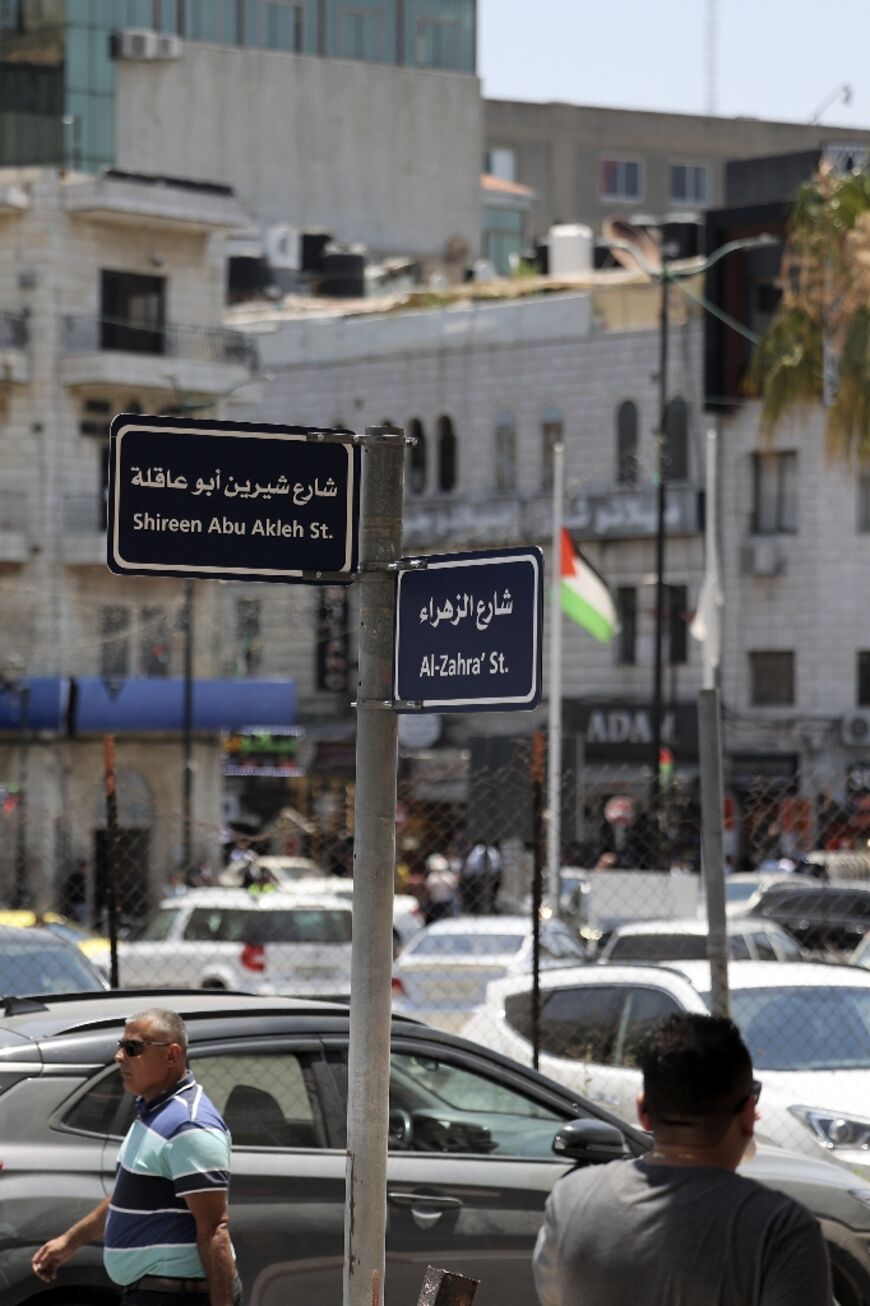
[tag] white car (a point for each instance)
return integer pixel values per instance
(267, 943)
(807, 1027)
(664, 940)
(861, 955)
(442, 975)
(407, 915)
(279, 870)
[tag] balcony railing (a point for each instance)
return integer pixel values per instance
(83, 335)
(13, 330)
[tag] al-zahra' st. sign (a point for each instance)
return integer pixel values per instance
(625, 731)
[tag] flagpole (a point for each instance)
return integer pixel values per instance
(554, 747)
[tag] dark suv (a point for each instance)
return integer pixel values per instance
(824, 918)
(470, 1165)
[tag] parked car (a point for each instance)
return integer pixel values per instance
(470, 1150)
(740, 887)
(807, 1027)
(663, 940)
(861, 955)
(824, 918)
(441, 976)
(37, 961)
(230, 939)
(407, 916)
(280, 870)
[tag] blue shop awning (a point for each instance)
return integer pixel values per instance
(157, 706)
(42, 707)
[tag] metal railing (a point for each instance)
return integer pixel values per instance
(171, 340)
(13, 330)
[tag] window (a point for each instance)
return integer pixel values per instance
(95, 1112)
(158, 927)
(502, 163)
(690, 183)
(281, 25)
(643, 1007)
(153, 643)
(438, 43)
(417, 457)
(774, 493)
(621, 179)
(505, 454)
(676, 450)
(578, 1023)
(771, 679)
(626, 443)
(132, 312)
(360, 34)
(626, 608)
(249, 645)
(551, 435)
(447, 473)
(678, 626)
(864, 678)
(864, 502)
(266, 1100)
(114, 641)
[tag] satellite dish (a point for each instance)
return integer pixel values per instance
(629, 233)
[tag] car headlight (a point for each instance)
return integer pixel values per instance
(833, 1129)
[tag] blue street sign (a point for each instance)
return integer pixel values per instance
(232, 501)
(468, 632)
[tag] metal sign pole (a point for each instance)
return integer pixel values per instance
(374, 869)
(709, 734)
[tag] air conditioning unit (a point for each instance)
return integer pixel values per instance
(169, 46)
(138, 43)
(762, 557)
(281, 246)
(855, 730)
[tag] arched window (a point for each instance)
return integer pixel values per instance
(505, 453)
(416, 467)
(447, 456)
(551, 435)
(676, 448)
(626, 442)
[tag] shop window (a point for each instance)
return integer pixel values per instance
(447, 456)
(551, 434)
(774, 493)
(626, 443)
(771, 679)
(417, 457)
(505, 453)
(626, 607)
(676, 450)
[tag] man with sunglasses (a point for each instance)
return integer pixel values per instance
(678, 1227)
(165, 1227)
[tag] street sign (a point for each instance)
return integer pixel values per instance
(468, 632)
(232, 501)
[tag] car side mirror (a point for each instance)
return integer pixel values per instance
(590, 1141)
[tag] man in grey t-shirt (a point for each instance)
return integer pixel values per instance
(679, 1227)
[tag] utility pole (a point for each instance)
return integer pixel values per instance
(187, 731)
(661, 518)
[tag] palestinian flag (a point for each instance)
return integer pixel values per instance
(584, 596)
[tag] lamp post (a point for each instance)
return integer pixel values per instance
(666, 274)
(13, 683)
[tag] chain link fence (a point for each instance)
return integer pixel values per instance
(268, 909)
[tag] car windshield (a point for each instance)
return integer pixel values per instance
(467, 945)
(33, 968)
(659, 947)
(803, 1027)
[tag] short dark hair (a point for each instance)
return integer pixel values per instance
(168, 1024)
(694, 1067)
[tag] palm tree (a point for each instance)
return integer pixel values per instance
(817, 346)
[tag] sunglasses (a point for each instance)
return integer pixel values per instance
(754, 1093)
(134, 1047)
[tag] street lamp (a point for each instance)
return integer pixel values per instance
(13, 683)
(666, 274)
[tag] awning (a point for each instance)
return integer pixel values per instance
(157, 706)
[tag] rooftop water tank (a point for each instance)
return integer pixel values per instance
(571, 249)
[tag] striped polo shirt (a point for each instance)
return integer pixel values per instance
(179, 1144)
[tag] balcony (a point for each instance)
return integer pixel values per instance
(194, 360)
(13, 527)
(14, 337)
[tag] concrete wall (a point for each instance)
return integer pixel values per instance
(386, 156)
